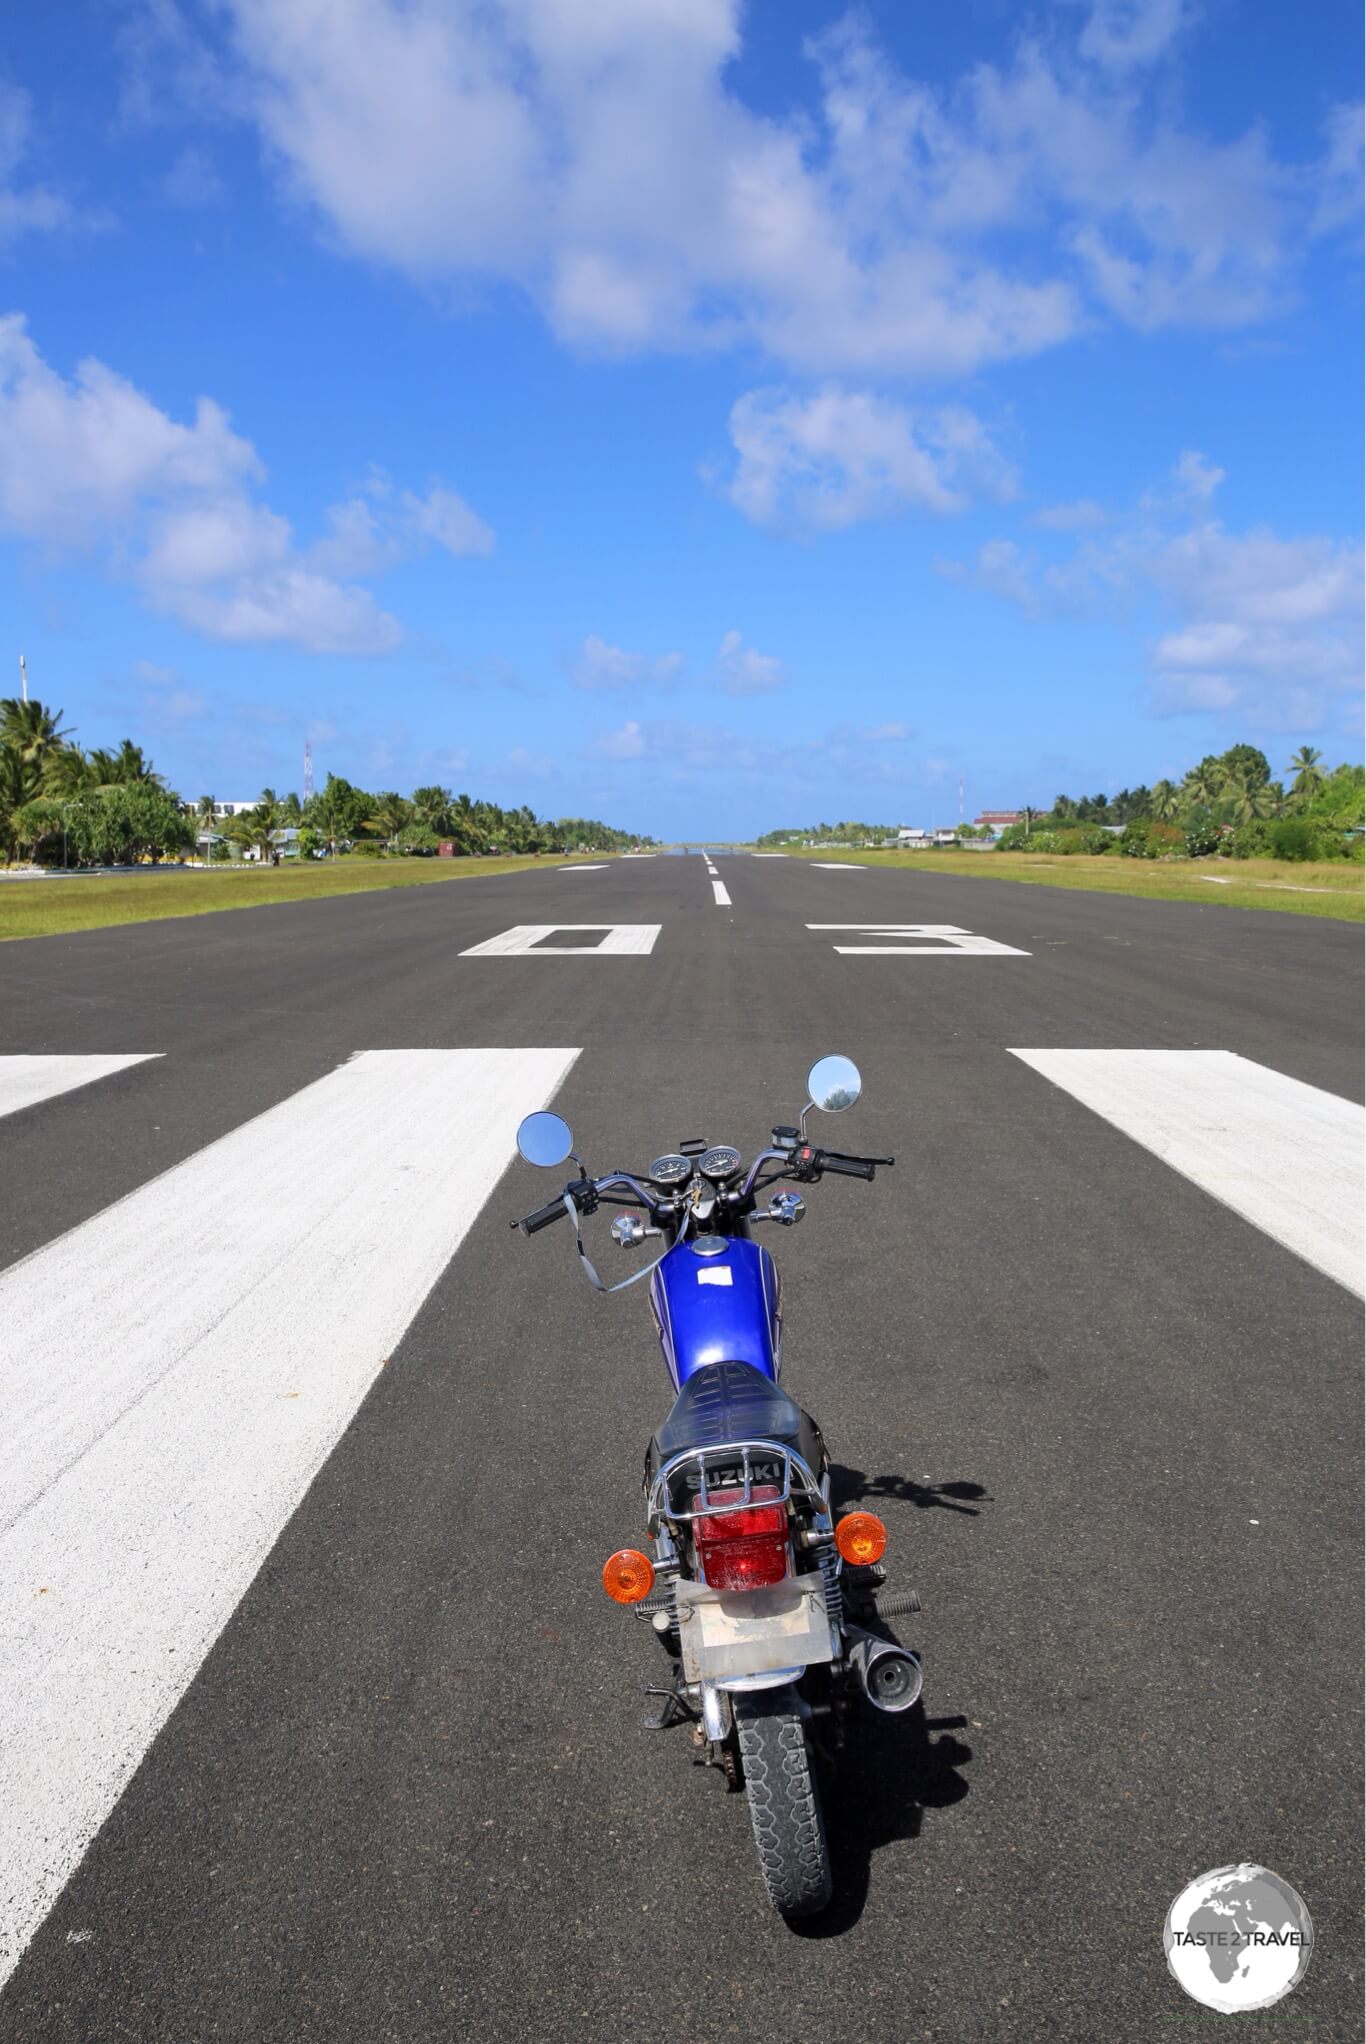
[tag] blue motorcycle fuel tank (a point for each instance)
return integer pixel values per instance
(718, 1299)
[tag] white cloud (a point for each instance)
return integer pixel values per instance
(92, 463)
(446, 518)
(744, 671)
(1261, 626)
(192, 182)
(602, 666)
(597, 154)
(25, 208)
(1195, 478)
(839, 456)
(1075, 517)
(377, 526)
(1123, 33)
(694, 753)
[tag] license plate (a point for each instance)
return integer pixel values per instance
(747, 1632)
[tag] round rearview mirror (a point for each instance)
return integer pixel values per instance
(833, 1083)
(545, 1139)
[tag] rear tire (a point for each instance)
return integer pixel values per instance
(784, 1803)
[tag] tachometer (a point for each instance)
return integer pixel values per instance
(719, 1163)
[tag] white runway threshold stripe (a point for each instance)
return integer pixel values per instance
(1286, 1156)
(24, 1081)
(173, 1374)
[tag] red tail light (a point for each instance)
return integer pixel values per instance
(744, 1550)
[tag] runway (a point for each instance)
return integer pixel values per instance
(317, 1724)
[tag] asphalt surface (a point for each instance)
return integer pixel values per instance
(1115, 1432)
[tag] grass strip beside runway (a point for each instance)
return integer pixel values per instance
(48, 907)
(1335, 887)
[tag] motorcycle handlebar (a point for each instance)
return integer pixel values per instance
(531, 1224)
(846, 1167)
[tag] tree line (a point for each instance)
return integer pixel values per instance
(61, 804)
(1228, 804)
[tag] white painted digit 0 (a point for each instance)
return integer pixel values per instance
(527, 940)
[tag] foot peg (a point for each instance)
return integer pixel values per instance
(896, 1603)
(673, 1712)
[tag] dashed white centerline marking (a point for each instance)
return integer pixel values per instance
(171, 1389)
(580, 869)
(722, 898)
(837, 866)
(24, 1081)
(1286, 1156)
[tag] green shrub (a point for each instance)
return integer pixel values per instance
(1249, 840)
(1205, 837)
(1145, 838)
(1293, 838)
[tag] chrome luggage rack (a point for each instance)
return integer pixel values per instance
(797, 1479)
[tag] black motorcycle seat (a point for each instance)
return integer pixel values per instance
(724, 1402)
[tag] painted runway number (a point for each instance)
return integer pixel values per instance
(597, 940)
(918, 940)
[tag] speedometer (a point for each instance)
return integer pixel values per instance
(720, 1163)
(670, 1170)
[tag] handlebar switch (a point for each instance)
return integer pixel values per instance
(584, 1194)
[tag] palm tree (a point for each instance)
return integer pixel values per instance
(433, 807)
(254, 829)
(205, 819)
(1248, 800)
(67, 771)
(463, 823)
(134, 766)
(20, 781)
(123, 768)
(1165, 799)
(1203, 785)
(1307, 771)
(32, 726)
(391, 813)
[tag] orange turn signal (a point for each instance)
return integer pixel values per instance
(628, 1575)
(860, 1537)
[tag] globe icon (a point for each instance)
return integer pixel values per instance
(1238, 1938)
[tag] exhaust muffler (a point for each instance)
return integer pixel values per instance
(889, 1675)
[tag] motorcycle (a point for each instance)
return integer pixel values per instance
(762, 1598)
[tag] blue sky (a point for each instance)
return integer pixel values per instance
(702, 416)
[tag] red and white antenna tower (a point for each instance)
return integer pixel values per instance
(308, 768)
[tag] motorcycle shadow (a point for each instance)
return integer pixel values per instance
(893, 1769)
(856, 1487)
(888, 1775)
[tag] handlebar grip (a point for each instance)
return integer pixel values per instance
(543, 1217)
(847, 1167)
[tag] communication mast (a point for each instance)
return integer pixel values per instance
(308, 768)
